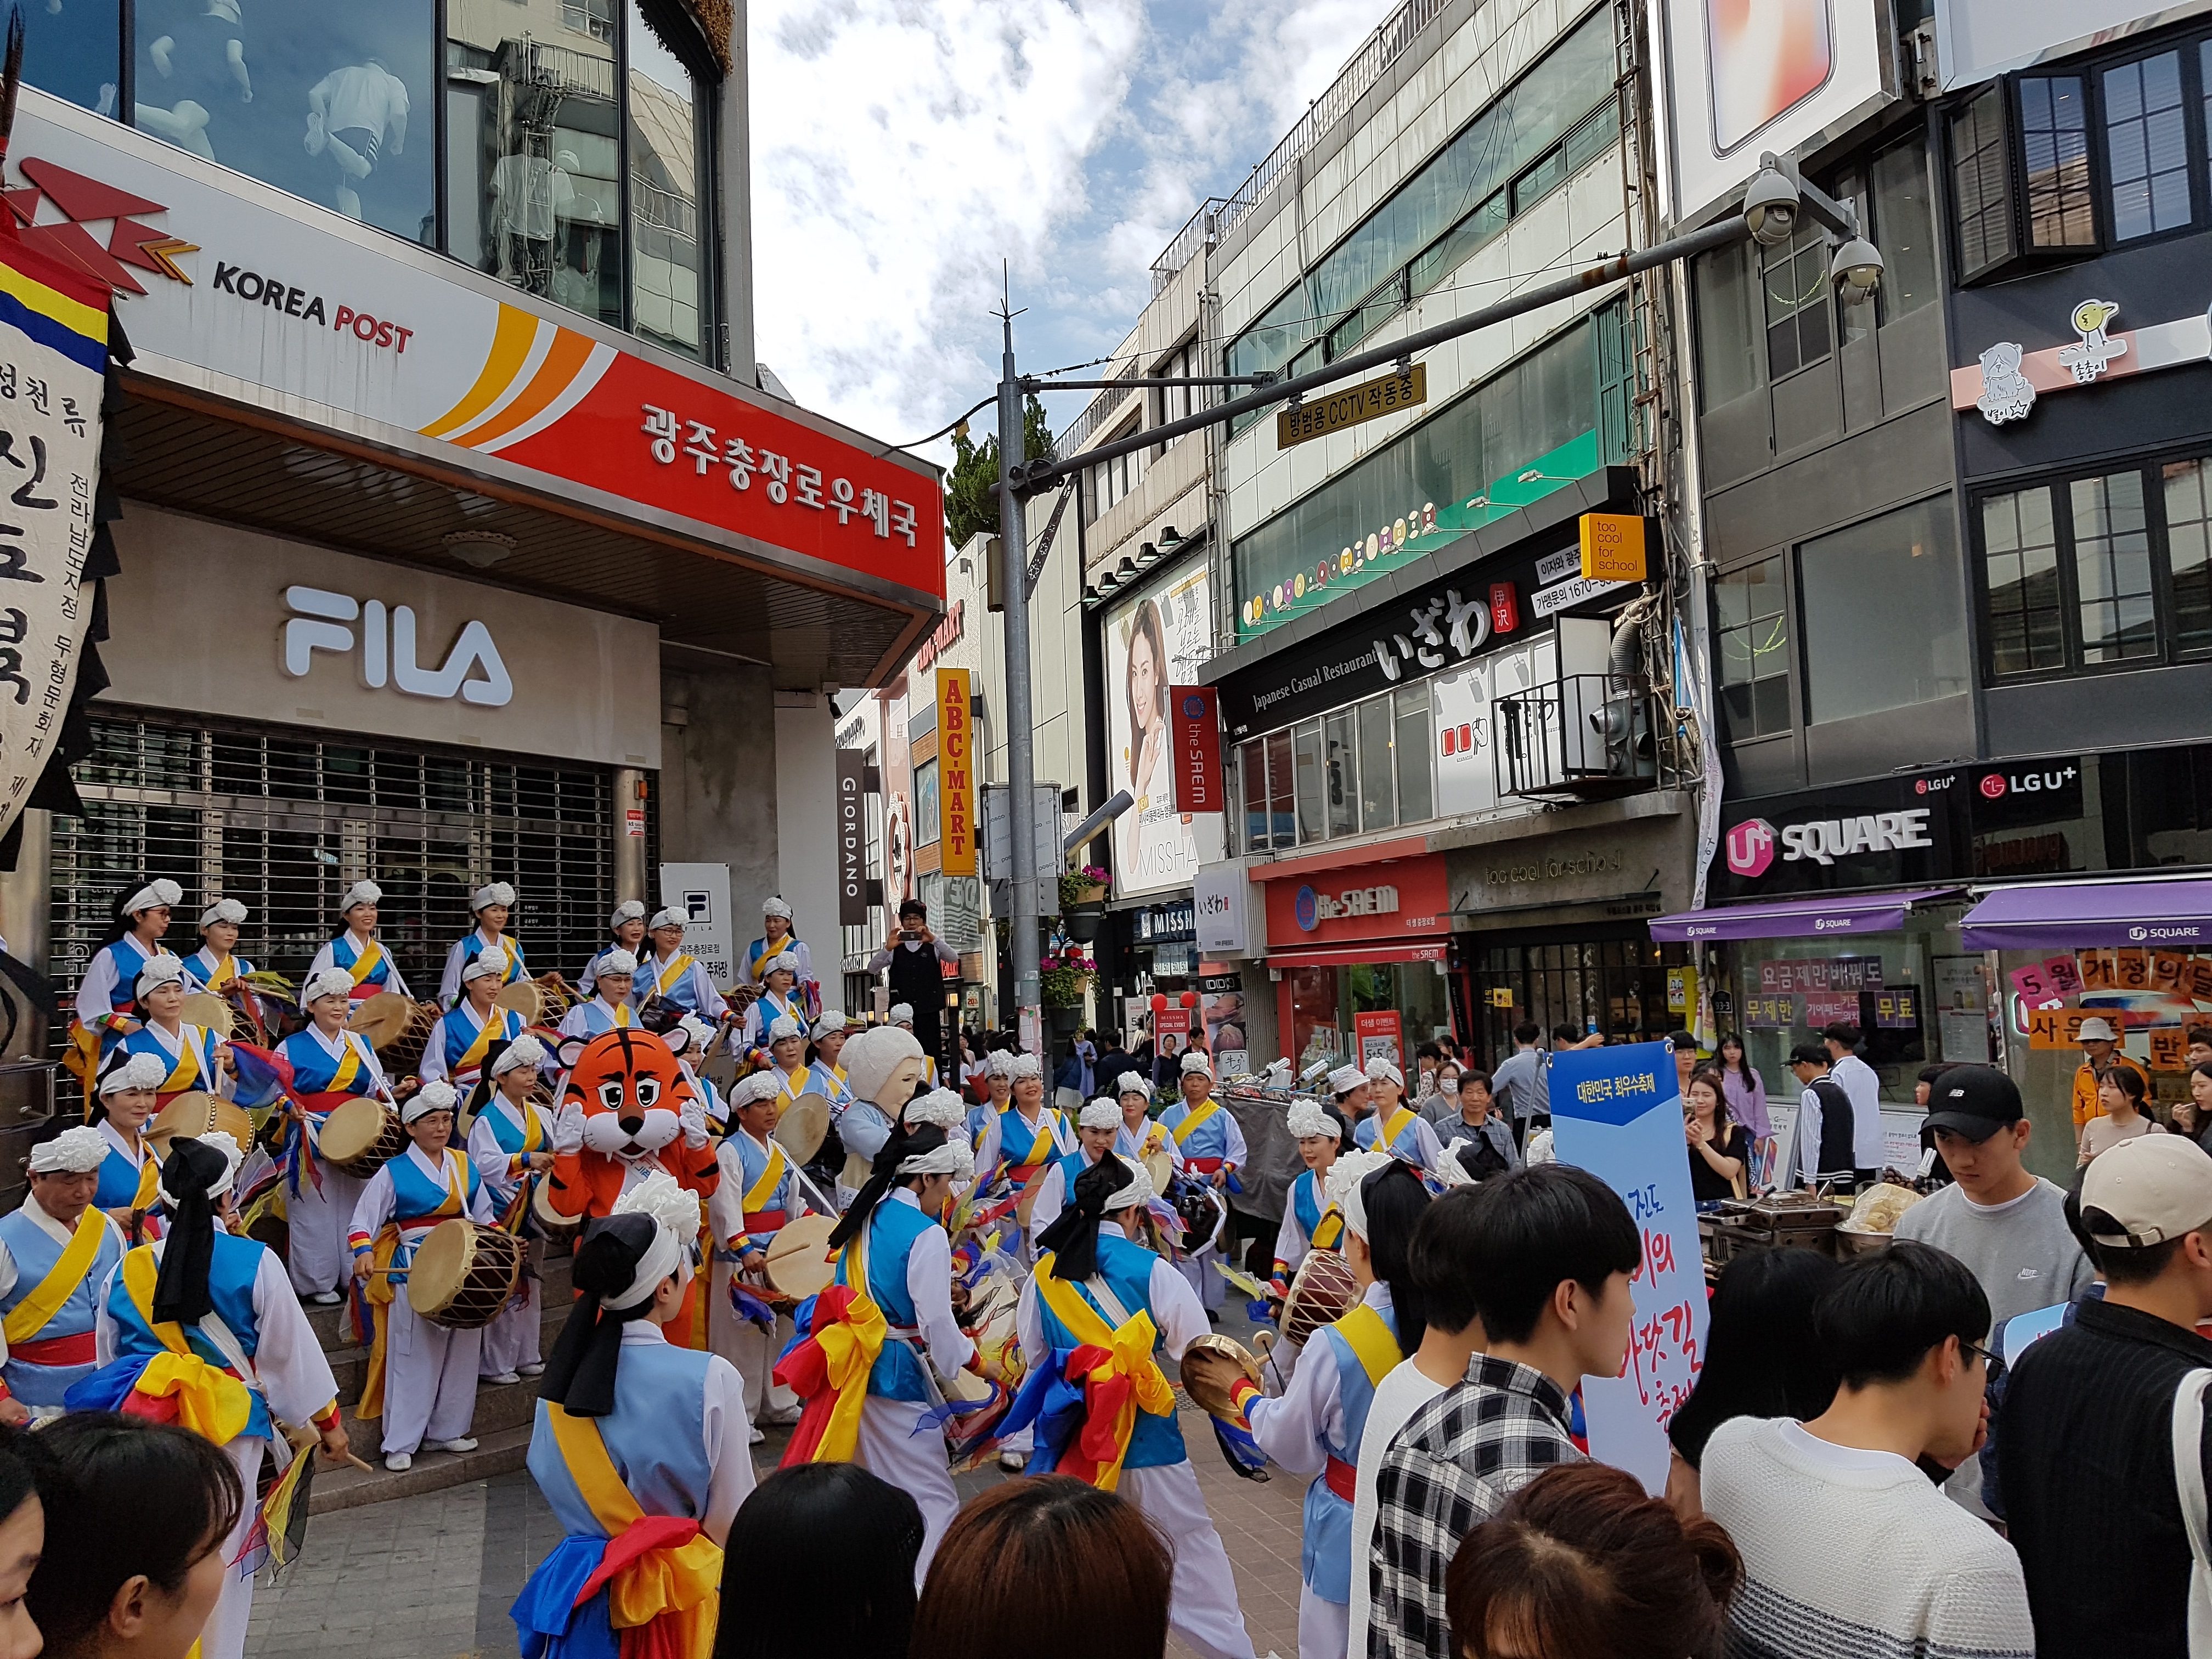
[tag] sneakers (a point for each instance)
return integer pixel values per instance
(757, 1437)
(501, 1376)
(1012, 1462)
(463, 1444)
(535, 1368)
(783, 1419)
(326, 1298)
(399, 1462)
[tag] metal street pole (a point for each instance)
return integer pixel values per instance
(1021, 761)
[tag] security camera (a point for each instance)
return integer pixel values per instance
(1771, 204)
(1857, 271)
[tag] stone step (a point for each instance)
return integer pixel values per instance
(348, 1488)
(350, 1366)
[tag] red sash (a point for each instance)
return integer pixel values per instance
(82, 1349)
(764, 1221)
(1341, 1478)
(1203, 1165)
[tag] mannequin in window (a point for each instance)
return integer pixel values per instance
(185, 127)
(529, 196)
(353, 114)
(222, 21)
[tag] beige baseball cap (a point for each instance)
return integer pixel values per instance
(2155, 1188)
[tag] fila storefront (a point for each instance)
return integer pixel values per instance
(431, 578)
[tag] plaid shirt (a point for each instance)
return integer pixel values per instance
(1452, 1467)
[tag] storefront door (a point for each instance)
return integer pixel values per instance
(1613, 984)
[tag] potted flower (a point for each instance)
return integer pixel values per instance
(1082, 901)
(1066, 973)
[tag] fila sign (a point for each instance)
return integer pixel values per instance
(338, 622)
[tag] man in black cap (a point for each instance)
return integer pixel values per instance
(2008, 1226)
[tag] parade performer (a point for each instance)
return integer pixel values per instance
(193, 1058)
(787, 1059)
(57, 1251)
(493, 906)
(1032, 1136)
(860, 1364)
(510, 1142)
(779, 1000)
(983, 1115)
(885, 1068)
(829, 1080)
(1314, 1428)
(1310, 1221)
(1395, 1127)
(1097, 1127)
(610, 1007)
(759, 1193)
(201, 1329)
(353, 949)
(1142, 1134)
(421, 1378)
(330, 1065)
(469, 1031)
(1096, 1319)
(778, 943)
(130, 1175)
(639, 1449)
(1212, 1146)
(671, 977)
(625, 931)
(107, 997)
(691, 1057)
(212, 966)
(901, 1016)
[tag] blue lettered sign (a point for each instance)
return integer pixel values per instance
(1617, 1112)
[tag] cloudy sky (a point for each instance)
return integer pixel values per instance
(903, 148)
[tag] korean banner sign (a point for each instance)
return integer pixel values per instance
(53, 359)
(1617, 1113)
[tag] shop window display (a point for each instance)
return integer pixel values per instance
(1617, 986)
(1326, 1002)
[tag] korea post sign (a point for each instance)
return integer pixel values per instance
(956, 772)
(1617, 1113)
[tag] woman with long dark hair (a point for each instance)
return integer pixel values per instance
(1745, 1091)
(820, 1560)
(1314, 1428)
(107, 995)
(1719, 1149)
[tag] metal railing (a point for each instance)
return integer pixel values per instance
(1189, 242)
(1101, 408)
(1585, 734)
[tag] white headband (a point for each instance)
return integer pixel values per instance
(614, 962)
(775, 907)
(486, 963)
(996, 1063)
(956, 1158)
(1344, 1178)
(73, 1152)
(755, 1086)
(331, 982)
(139, 1071)
(831, 1023)
(1100, 1114)
(1133, 1083)
(525, 1050)
(439, 1096)
(220, 1140)
(1024, 1066)
(785, 1025)
(698, 1030)
(1344, 1079)
(902, 1014)
(675, 1212)
(362, 892)
(1140, 1191)
(1449, 1171)
(223, 909)
(1306, 1119)
(1379, 1068)
(1194, 1061)
(672, 917)
(939, 1106)
(153, 895)
(492, 892)
(627, 910)
(160, 970)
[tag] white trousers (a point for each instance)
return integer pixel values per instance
(1202, 1609)
(1324, 1626)
(917, 1463)
(747, 1347)
(510, 1342)
(223, 1635)
(315, 1254)
(430, 1379)
(1197, 1269)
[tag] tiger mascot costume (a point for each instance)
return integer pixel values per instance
(628, 1111)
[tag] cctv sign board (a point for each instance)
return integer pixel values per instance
(702, 892)
(1779, 75)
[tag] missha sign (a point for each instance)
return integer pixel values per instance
(233, 289)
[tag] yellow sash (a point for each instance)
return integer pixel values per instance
(365, 962)
(211, 1401)
(1367, 1334)
(684, 1582)
(184, 1070)
(760, 968)
(678, 966)
(472, 1058)
(849, 1349)
(225, 971)
(1329, 1231)
(1042, 1144)
(771, 1177)
(1385, 1135)
(33, 1314)
(349, 1065)
(149, 1181)
(1181, 1131)
(794, 1082)
(381, 1288)
(1131, 1348)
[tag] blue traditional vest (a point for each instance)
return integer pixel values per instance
(35, 1252)
(231, 1273)
(1022, 1146)
(655, 1435)
(203, 973)
(1210, 1139)
(1406, 1144)
(344, 953)
(473, 946)
(831, 1087)
(599, 1018)
(1128, 1270)
(193, 1066)
(512, 1139)
(891, 1231)
(119, 1180)
(460, 1038)
(129, 962)
(1325, 1555)
(416, 1197)
(753, 1161)
(680, 992)
(1306, 1203)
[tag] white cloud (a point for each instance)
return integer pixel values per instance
(903, 148)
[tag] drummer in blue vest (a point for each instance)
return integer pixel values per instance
(355, 950)
(57, 1250)
(1393, 1126)
(669, 976)
(1311, 1222)
(778, 943)
(625, 931)
(193, 1058)
(467, 1032)
(778, 1000)
(130, 1175)
(610, 1007)
(1094, 1283)
(331, 1065)
(1314, 1428)
(510, 1142)
(1142, 1134)
(1097, 1126)
(213, 966)
(983, 1115)
(493, 906)
(107, 995)
(1212, 1146)
(787, 1059)
(422, 1376)
(758, 1194)
(830, 1032)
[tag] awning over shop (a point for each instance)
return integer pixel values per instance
(1347, 956)
(1816, 914)
(2174, 913)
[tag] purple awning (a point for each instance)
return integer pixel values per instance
(2071, 914)
(1798, 918)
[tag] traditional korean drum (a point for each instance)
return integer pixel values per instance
(1210, 1367)
(803, 1126)
(464, 1274)
(798, 1264)
(209, 1011)
(360, 1137)
(1324, 1290)
(197, 1113)
(557, 1228)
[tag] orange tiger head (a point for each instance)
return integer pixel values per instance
(629, 1088)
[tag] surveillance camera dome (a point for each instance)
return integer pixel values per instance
(1770, 208)
(1857, 271)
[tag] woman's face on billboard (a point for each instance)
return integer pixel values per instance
(1144, 680)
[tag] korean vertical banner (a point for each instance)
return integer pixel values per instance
(1617, 1113)
(1195, 728)
(53, 359)
(956, 772)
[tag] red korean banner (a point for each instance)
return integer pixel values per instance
(956, 772)
(1194, 731)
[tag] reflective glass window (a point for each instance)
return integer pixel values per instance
(2147, 146)
(2189, 552)
(2111, 568)
(1754, 643)
(1378, 807)
(75, 53)
(667, 144)
(2020, 576)
(1911, 646)
(1341, 757)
